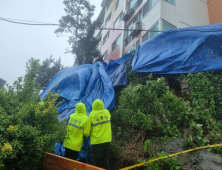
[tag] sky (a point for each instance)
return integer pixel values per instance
(18, 43)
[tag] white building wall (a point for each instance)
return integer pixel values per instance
(185, 13)
(120, 9)
(106, 16)
(114, 15)
(151, 17)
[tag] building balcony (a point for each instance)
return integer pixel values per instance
(130, 12)
(134, 31)
(128, 40)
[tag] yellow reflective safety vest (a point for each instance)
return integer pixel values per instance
(100, 123)
(78, 126)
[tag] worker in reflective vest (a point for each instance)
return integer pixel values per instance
(101, 133)
(78, 127)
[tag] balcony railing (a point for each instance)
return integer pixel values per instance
(128, 40)
(135, 30)
(131, 11)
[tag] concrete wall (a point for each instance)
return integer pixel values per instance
(185, 13)
(215, 11)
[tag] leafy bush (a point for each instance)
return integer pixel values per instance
(153, 106)
(204, 92)
(27, 127)
(146, 111)
(217, 150)
(147, 105)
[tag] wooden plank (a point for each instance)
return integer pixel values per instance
(65, 163)
(46, 166)
(49, 159)
(55, 162)
(83, 166)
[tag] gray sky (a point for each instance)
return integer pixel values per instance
(18, 43)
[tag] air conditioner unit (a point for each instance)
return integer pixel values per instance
(138, 25)
(132, 29)
(136, 28)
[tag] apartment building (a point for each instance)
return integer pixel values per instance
(215, 11)
(132, 16)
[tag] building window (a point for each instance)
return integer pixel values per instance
(108, 4)
(146, 7)
(154, 30)
(106, 38)
(131, 8)
(149, 5)
(108, 19)
(105, 55)
(132, 48)
(117, 3)
(153, 3)
(99, 36)
(145, 36)
(170, 1)
(116, 43)
(128, 38)
(99, 47)
(167, 26)
(136, 19)
(116, 23)
(132, 3)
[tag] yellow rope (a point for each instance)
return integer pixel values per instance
(190, 150)
(74, 164)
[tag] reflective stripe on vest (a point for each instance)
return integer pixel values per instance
(101, 123)
(79, 127)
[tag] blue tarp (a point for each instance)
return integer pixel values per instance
(85, 84)
(188, 50)
(88, 82)
(116, 69)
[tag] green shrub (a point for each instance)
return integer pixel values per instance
(27, 130)
(27, 127)
(153, 106)
(169, 163)
(147, 105)
(149, 109)
(205, 94)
